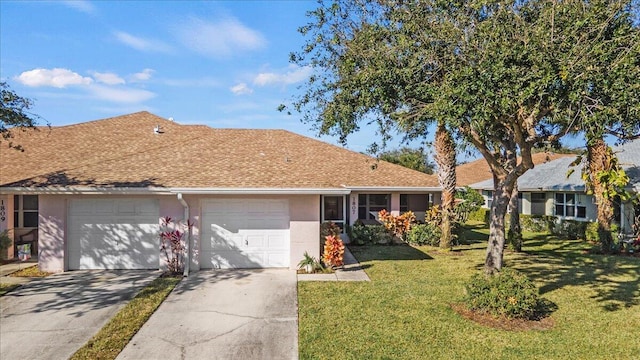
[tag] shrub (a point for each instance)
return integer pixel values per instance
(591, 232)
(333, 251)
(329, 228)
(397, 225)
(570, 229)
(481, 214)
(424, 234)
(537, 223)
(172, 244)
(472, 200)
(507, 293)
(5, 243)
(369, 234)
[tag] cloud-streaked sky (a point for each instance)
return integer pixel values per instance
(219, 63)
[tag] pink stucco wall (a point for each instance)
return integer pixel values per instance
(304, 213)
(51, 233)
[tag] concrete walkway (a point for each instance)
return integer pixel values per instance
(223, 314)
(52, 317)
(352, 271)
(8, 269)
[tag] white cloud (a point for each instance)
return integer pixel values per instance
(56, 77)
(223, 38)
(241, 89)
(142, 44)
(108, 78)
(81, 5)
(143, 75)
(121, 94)
(293, 74)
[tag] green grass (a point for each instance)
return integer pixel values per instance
(5, 288)
(405, 313)
(117, 333)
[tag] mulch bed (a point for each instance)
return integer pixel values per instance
(503, 323)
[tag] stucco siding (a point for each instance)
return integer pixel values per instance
(51, 233)
(304, 213)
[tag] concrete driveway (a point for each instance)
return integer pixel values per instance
(223, 314)
(51, 318)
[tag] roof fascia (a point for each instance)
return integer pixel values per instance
(392, 188)
(76, 190)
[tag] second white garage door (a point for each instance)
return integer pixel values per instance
(245, 233)
(113, 234)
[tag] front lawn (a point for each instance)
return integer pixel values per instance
(405, 312)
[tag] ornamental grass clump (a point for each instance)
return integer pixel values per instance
(507, 293)
(333, 254)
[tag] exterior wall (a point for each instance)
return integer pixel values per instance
(52, 214)
(525, 203)
(395, 204)
(304, 216)
(6, 222)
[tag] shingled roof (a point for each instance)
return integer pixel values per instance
(559, 175)
(478, 170)
(125, 152)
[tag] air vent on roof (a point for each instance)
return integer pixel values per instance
(157, 130)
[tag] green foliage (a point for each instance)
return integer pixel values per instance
(14, 114)
(329, 228)
(507, 293)
(424, 234)
(472, 201)
(481, 215)
(592, 235)
(415, 159)
(370, 234)
(570, 229)
(308, 260)
(5, 240)
(537, 223)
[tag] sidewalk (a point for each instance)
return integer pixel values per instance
(8, 269)
(352, 271)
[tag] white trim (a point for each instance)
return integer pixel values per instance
(171, 191)
(392, 189)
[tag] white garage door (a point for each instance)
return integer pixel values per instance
(245, 233)
(113, 234)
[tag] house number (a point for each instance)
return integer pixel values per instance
(2, 213)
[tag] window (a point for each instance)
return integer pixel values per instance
(538, 198)
(333, 210)
(404, 203)
(489, 197)
(570, 205)
(370, 204)
(25, 211)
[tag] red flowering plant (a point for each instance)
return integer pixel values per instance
(333, 255)
(172, 244)
(397, 225)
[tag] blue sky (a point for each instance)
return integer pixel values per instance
(223, 64)
(220, 63)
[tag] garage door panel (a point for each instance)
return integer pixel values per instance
(245, 233)
(113, 234)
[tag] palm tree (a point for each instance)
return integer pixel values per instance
(445, 157)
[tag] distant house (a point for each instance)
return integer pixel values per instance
(547, 190)
(91, 195)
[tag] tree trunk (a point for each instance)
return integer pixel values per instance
(445, 157)
(495, 247)
(515, 231)
(598, 159)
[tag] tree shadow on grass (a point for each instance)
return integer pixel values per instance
(386, 252)
(615, 280)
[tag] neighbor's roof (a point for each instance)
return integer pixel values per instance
(478, 170)
(124, 152)
(552, 176)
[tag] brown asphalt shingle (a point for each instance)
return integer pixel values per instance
(124, 151)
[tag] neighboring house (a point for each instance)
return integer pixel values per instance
(91, 195)
(557, 189)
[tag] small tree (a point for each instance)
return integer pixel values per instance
(172, 244)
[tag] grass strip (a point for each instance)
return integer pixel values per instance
(117, 333)
(5, 288)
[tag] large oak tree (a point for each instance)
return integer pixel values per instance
(504, 76)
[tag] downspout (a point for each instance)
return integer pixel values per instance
(187, 260)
